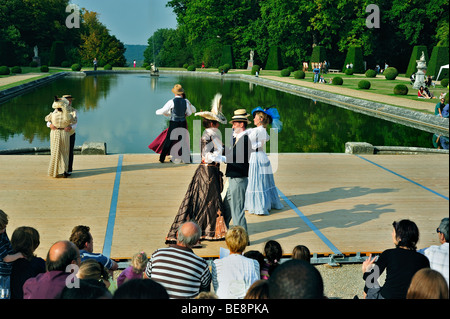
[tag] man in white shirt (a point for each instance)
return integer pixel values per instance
(177, 109)
(438, 255)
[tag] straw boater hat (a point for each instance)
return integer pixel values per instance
(216, 111)
(68, 96)
(177, 89)
(240, 115)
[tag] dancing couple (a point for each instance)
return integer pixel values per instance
(251, 183)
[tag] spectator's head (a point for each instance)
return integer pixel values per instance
(273, 251)
(3, 221)
(82, 238)
(188, 234)
(236, 239)
(139, 262)
(88, 289)
(141, 289)
(258, 290)
(256, 255)
(296, 279)
(405, 234)
(443, 230)
(92, 269)
(427, 284)
(62, 254)
(301, 252)
(25, 240)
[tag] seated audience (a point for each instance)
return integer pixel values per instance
(141, 289)
(427, 284)
(439, 107)
(273, 253)
(400, 263)
(25, 240)
(182, 273)
(296, 279)
(445, 111)
(135, 270)
(422, 94)
(234, 274)
(50, 284)
(301, 252)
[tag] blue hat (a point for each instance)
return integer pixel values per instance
(274, 116)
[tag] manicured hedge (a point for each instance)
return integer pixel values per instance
(44, 68)
(285, 72)
(227, 56)
(371, 73)
(337, 80)
(57, 53)
(299, 74)
(76, 67)
(255, 68)
(390, 73)
(364, 84)
(274, 60)
(444, 83)
(355, 56)
(16, 70)
(400, 89)
(439, 57)
(4, 70)
(319, 54)
(108, 67)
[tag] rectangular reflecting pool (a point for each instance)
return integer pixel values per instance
(119, 109)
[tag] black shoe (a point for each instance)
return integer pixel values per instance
(161, 160)
(67, 174)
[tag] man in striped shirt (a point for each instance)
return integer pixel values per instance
(177, 268)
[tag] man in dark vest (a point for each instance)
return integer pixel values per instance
(237, 170)
(177, 109)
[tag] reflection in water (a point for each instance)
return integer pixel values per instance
(120, 110)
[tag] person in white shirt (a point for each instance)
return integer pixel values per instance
(233, 275)
(438, 255)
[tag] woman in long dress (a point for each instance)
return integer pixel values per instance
(261, 194)
(203, 202)
(59, 138)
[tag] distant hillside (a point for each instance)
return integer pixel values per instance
(135, 52)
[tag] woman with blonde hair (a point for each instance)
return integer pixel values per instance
(92, 269)
(233, 275)
(427, 284)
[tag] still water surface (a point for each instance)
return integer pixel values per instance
(119, 109)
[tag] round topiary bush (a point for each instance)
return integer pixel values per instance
(65, 64)
(337, 80)
(390, 73)
(371, 73)
(191, 68)
(33, 64)
(364, 84)
(255, 69)
(44, 68)
(285, 72)
(16, 70)
(444, 82)
(349, 71)
(400, 89)
(4, 70)
(291, 69)
(76, 67)
(108, 67)
(185, 66)
(299, 74)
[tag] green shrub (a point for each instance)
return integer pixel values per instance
(371, 73)
(415, 55)
(186, 65)
(285, 72)
(225, 68)
(390, 73)
(400, 89)
(439, 57)
(4, 70)
(65, 64)
(108, 67)
(44, 68)
(349, 71)
(227, 56)
(299, 74)
(291, 69)
(274, 61)
(16, 70)
(354, 56)
(444, 83)
(33, 64)
(318, 55)
(337, 80)
(364, 84)
(191, 68)
(76, 67)
(255, 68)
(148, 67)
(57, 53)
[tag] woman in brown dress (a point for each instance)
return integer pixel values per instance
(203, 202)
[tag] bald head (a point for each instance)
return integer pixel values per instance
(61, 254)
(188, 234)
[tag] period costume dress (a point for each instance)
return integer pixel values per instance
(177, 110)
(203, 202)
(261, 194)
(59, 138)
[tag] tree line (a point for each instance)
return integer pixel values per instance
(25, 24)
(295, 26)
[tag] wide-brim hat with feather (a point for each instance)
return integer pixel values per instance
(60, 103)
(216, 111)
(240, 115)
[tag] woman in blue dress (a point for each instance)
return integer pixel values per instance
(261, 194)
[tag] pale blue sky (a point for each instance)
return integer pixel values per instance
(132, 21)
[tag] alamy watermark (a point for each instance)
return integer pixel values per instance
(373, 19)
(73, 19)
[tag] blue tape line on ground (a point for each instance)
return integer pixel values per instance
(409, 180)
(310, 224)
(112, 210)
